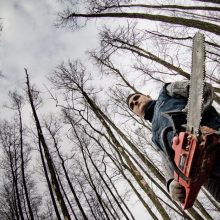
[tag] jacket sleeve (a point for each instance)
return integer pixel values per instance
(180, 89)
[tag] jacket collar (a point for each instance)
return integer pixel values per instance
(149, 110)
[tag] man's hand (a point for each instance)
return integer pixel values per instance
(177, 191)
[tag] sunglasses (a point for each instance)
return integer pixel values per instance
(134, 101)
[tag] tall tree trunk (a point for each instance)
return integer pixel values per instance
(214, 203)
(143, 53)
(114, 162)
(90, 176)
(115, 214)
(14, 208)
(67, 176)
(48, 182)
(137, 175)
(55, 183)
(211, 1)
(203, 211)
(22, 167)
(67, 199)
(182, 7)
(213, 28)
(134, 171)
(107, 186)
(15, 181)
(102, 117)
(119, 196)
(109, 205)
(87, 200)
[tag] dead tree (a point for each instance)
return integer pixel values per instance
(17, 102)
(53, 133)
(49, 160)
(74, 79)
(70, 18)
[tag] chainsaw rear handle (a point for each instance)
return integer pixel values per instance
(170, 152)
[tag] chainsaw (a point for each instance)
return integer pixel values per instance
(194, 147)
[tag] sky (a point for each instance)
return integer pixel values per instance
(29, 39)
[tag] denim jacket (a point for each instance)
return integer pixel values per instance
(170, 100)
(164, 103)
(154, 112)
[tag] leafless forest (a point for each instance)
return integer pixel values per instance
(90, 157)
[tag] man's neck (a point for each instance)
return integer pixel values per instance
(149, 110)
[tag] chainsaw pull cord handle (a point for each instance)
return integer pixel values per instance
(170, 152)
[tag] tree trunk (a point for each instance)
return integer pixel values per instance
(55, 183)
(213, 28)
(66, 197)
(48, 182)
(22, 167)
(90, 177)
(137, 175)
(67, 177)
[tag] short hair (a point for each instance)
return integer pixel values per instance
(128, 98)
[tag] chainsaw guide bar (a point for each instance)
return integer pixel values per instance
(197, 79)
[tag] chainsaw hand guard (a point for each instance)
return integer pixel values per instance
(195, 157)
(192, 159)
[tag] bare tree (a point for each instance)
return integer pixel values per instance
(69, 17)
(49, 160)
(9, 143)
(73, 79)
(17, 103)
(95, 143)
(53, 128)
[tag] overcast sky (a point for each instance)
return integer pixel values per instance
(30, 40)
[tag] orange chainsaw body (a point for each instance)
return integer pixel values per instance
(194, 157)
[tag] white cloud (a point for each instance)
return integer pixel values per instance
(30, 39)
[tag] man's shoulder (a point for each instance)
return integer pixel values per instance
(163, 92)
(178, 88)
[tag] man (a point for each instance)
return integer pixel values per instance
(174, 97)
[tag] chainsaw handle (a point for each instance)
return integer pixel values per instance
(170, 152)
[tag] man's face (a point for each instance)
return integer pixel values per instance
(137, 103)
